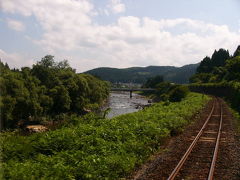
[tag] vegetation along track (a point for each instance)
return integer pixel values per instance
(200, 159)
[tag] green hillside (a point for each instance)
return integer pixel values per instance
(141, 74)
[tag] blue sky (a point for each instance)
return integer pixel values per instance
(117, 33)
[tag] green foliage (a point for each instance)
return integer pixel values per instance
(47, 89)
(164, 88)
(166, 91)
(220, 67)
(218, 59)
(233, 69)
(153, 82)
(223, 79)
(178, 93)
(200, 78)
(229, 90)
(205, 65)
(95, 148)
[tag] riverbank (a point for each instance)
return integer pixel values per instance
(97, 148)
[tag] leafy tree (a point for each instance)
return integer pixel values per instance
(205, 65)
(152, 82)
(219, 57)
(47, 89)
(218, 74)
(200, 78)
(7, 107)
(213, 69)
(233, 69)
(61, 99)
(64, 65)
(163, 88)
(13, 91)
(178, 93)
(47, 61)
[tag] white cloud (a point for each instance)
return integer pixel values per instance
(15, 25)
(116, 6)
(15, 60)
(70, 33)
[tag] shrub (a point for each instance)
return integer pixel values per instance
(164, 97)
(178, 93)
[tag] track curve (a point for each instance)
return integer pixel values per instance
(199, 161)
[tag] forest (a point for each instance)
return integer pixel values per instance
(219, 68)
(49, 91)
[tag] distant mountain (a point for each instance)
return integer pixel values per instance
(182, 74)
(141, 74)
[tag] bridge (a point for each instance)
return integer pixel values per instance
(133, 89)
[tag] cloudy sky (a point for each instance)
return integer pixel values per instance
(116, 33)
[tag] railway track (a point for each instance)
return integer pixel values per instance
(199, 160)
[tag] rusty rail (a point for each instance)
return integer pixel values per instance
(211, 171)
(189, 150)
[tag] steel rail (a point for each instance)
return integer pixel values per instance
(212, 168)
(189, 150)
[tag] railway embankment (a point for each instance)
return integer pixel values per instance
(184, 159)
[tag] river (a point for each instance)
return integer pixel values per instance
(121, 103)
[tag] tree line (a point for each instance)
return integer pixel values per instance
(220, 76)
(219, 68)
(47, 89)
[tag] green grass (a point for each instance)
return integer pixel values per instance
(96, 148)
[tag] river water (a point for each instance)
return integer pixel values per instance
(121, 103)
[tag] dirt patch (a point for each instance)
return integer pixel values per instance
(36, 128)
(161, 165)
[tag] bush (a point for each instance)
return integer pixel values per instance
(228, 90)
(178, 93)
(153, 82)
(164, 97)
